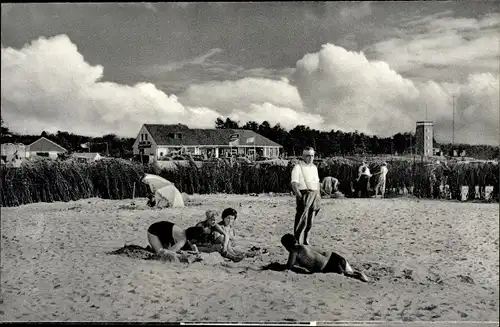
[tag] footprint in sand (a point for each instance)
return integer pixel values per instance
(428, 307)
(466, 279)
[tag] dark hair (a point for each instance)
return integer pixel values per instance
(288, 240)
(194, 233)
(229, 212)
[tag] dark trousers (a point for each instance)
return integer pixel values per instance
(362, 186)
(312, 212)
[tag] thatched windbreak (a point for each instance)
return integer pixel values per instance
(405, 176)
(48, 181)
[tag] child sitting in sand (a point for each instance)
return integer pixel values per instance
(314, 261)
(229, 215)
(224, 234)
(211, 229)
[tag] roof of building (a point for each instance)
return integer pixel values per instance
(45, 145)
(162, 135)
(86, 155)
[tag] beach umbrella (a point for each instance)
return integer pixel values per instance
(169, 197)
(155, 182)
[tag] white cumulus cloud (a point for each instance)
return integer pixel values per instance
(227, 96)
(353, 93)
(48, 85)
(444, 41)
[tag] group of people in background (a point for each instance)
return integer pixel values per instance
(362, 187)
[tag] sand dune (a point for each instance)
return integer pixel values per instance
(429, 261)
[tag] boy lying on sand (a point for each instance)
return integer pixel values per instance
(306, 259)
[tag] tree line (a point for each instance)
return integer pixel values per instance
(338, 143)
(109, 144)
(326, 143)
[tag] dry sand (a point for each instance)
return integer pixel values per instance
(429, 261)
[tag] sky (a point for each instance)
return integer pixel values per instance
(373, 67)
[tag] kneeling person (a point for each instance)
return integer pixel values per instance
(166, 236)
(314, 261)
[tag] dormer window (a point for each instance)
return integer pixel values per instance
(177, 136)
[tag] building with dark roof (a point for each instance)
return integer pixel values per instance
(157, 141)
(44, 148)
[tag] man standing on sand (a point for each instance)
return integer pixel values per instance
(381, 180)
(363, 169)
(363, 181)
(306, 187)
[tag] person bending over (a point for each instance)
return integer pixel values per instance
(164, 236)
(305, 257)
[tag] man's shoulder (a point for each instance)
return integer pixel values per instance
(296, 167)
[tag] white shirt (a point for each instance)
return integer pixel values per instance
(366, 172)
(306, 176)
(360, 169)
(383, 171)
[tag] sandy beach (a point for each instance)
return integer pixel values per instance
(428, 260)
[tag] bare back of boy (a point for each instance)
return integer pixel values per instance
(316, 261)
(308, 258)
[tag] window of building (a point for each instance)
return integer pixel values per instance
(142, 137)
(176, 136)
(161, 154)
(146, 137)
